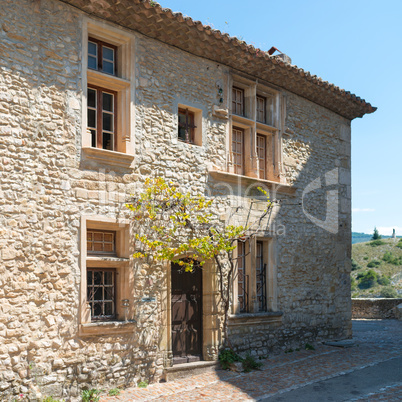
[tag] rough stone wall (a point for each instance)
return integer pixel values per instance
(45, 188)
(374, 308)
(313, 262)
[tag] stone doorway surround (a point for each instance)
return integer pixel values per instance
(211, 332)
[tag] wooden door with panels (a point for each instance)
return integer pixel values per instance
(186, 314)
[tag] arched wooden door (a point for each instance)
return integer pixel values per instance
(186, 314)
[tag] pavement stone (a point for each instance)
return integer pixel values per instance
(375, 341)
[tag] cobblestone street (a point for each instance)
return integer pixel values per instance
(375, 342)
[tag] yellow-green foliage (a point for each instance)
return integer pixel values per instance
(174, 223)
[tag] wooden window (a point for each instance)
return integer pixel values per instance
(186, 126)
(242, 278)
(101, 242)
(261, 153)
(238, 150)
(261, 109)
(260, 269)
(238, 101)
(101, 293)
(102, 115)
(102, 56)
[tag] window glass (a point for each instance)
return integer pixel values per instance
(92, 55)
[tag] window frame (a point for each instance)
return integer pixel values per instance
(262, 160)
(95, 252)
(263, 110)
(237, 90)
(188, 125)
(99, 57)
(243, 284)
(238, 169)
(122, 83)
(99, 116)
(260, 101)
(261, 277)
(124, 276)
(104, 317)
(269, 291)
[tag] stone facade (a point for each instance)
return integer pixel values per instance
(52, 187)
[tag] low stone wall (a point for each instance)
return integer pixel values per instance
(374, 308)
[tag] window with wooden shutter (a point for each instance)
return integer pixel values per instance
(261, 153)
(238, 150)
(238, 101)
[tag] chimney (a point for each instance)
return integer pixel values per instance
(281, 55)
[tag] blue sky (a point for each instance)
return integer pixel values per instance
(354, 44)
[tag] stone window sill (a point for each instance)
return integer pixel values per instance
(246, 319)
(107, 327)
(247, 180)
(107, 157)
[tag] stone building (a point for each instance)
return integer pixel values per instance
(96, 96)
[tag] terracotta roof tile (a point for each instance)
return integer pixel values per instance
(146, 19)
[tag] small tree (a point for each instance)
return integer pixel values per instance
(376, 235)
(172, 223)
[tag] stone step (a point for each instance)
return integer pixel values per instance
(185, 370)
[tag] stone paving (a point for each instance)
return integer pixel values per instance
(375, 341)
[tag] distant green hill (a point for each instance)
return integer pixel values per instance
(376, 268)
(362, 237)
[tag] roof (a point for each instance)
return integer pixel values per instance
(150, 19)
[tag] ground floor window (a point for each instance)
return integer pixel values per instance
(255, 277)
(101, 293)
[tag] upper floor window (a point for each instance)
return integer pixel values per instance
(102, 104)
(238, 101)
(108, 107)
(261, 154)
(238, 150)
(102, 56)
(261, 109)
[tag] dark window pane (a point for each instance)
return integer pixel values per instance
(107, 141)
(108, 67)
(182, 133)
(107, 121)
(182, 118)
(108, 53)
(97, 309)
(97, 277)
(92, 48)
(109, 293)
(91, 118)
(93, 138)
(108, 308)
(89, 277)
(108, 278)
(107, 102)
(91, 97)
(98, 294)
(92, 63)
